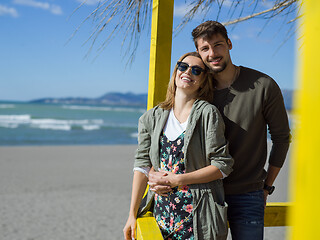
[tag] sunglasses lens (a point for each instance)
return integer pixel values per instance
(182, 66)
(196, 71)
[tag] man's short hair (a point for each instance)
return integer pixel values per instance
(208, 29)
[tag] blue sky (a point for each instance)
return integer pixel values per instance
(36, 59)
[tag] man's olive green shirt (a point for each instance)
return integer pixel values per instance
(252, 104)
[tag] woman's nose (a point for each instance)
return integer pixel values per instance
(189, 70)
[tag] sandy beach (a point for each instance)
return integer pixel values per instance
(75, 192)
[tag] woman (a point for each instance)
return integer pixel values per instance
(184, 138)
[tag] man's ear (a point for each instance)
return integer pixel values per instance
(229, 43)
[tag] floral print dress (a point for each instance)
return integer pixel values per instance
(174, 212)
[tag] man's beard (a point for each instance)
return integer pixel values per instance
(217, 70)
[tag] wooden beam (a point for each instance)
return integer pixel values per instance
(159, 76)
(275, 216)
(160, 51)
(305, 177)
(147, 228)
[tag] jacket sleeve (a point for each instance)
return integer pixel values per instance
(277, 120)
(142, 157)
(216, 145)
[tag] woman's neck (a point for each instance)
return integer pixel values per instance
(182, 106)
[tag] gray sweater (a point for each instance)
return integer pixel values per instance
(253, 103)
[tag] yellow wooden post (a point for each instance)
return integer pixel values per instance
(159, 75)
(147, 228)
(305, 177)
(160, 50)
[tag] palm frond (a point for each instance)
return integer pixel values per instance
(130, 18)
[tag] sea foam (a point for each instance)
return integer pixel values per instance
(18, 119)
(7, 106)
(14, 121)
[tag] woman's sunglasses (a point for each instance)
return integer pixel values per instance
(182, 67)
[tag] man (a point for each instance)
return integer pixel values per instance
(249, 101)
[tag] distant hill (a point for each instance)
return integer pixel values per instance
(129, 99)
(113, 98)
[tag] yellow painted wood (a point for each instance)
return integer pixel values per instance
(147, 228)
(276, 214)
(159, 76)
(305, 177)
(160, 51)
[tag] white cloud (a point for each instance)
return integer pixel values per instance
(8, 11)
(235, 37)
(89, 2)
(227, 3)
(54, 9)
(267, 4)
(181, 10)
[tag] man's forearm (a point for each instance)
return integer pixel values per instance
(203, 175)
(272, 174)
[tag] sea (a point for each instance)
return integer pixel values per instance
(23, 123)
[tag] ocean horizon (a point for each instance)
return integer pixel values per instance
(24, 123)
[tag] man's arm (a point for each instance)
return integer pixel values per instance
(202, 175)
(162, 182)
(277, 120)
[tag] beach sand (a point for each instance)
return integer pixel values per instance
(75, 192)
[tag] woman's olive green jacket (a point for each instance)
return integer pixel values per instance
(204, 144)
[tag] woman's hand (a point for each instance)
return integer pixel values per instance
(172, 179)
(158, 184)
(129, 230)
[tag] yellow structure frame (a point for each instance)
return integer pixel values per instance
(275, 216)
(160, 50)
(305, 211)
(305, 178)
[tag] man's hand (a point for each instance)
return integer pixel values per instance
(265, 194)
(158, 182)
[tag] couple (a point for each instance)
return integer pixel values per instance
(184, 146)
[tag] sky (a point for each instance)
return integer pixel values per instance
(38, 59)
